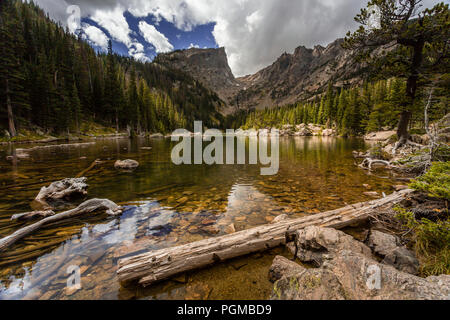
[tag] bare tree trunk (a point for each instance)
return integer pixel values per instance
(402, 130)
(411, 89)
(12, 127)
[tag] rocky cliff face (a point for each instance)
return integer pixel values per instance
(291, 78)
(298, 76)
(209, 66)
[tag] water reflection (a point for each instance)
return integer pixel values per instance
(166, 205)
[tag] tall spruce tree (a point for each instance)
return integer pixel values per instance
(421, 37)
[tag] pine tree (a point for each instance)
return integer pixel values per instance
(12, 74)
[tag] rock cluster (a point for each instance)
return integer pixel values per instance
(301, 130)
(346, 270)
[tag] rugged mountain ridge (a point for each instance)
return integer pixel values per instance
(300, 75)
(292, 77)
(208, 66)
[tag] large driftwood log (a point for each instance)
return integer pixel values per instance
(86, 207)
(62, 189)
(162, 264)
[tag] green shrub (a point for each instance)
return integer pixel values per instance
(436, 182)
(431, 242)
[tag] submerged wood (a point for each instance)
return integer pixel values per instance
(84, 208)
(32, 215)
(92, 166)
(158, 265)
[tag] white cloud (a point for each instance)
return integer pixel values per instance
(136, 50)
(115, 23)
(96, 36)
(193, 46)
(253, 32)
(154, 37)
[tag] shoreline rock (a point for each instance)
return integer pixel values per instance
(346, 270)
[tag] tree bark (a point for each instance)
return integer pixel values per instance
(411, 90)
(402, 130)
(12, 127)
(158, 265)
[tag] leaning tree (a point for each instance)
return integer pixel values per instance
(407, 41)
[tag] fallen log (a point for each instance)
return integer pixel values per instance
(86, 207)
(158, 265)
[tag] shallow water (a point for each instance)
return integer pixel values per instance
(166, 205)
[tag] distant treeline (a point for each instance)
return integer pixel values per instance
(351, 111)
(54, 80)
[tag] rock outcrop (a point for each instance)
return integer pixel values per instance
(393, 253)
(348, 271)
(209, 66)
(316, 244)
(353, 276)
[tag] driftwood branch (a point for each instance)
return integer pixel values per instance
(158, 265)
(92, 166)
(86, 207)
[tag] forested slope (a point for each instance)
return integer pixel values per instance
(55, 82)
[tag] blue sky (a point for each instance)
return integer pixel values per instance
(200, 36)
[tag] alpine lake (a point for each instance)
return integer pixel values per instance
(166, 205)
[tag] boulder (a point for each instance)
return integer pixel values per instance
(353, 276)
(388, 247)
(315, 244)
(382, 243)
(402, 259)
(283, 267)
(328, 132)
(64, 189)
(156, 136)
(126, 164)
(380, 135)
(304, 132)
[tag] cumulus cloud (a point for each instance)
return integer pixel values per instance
(136, 50)
(96, 36)
(155, 38)
(253, 32)
(194, 46)
(115, 23)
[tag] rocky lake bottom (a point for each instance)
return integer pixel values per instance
(166, 205)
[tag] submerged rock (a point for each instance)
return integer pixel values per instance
(126, 164)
